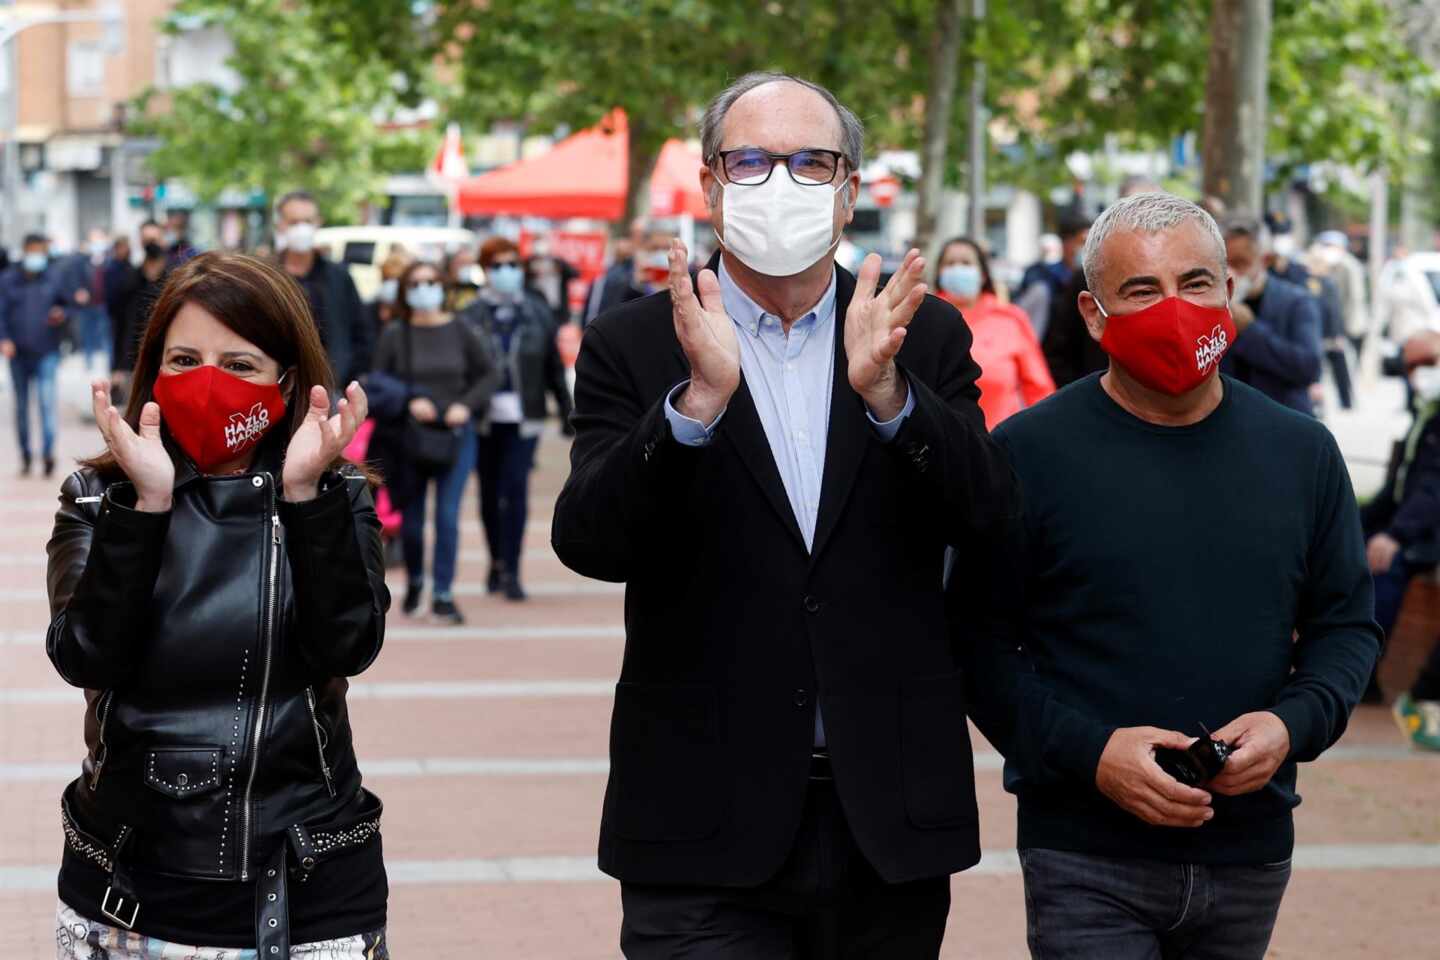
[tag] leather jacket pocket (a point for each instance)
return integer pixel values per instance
(182, 772)
(937, 763)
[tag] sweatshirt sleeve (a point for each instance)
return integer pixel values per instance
(1337, 639)
(1044, 740)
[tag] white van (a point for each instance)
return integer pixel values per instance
(363, 249)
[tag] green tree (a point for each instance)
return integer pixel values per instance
(301, 112)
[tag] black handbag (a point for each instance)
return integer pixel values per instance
(431, 448)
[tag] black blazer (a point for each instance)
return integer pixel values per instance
(734, 631)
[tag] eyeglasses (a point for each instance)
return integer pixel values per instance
(751, 166)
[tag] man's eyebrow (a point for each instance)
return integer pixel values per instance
(1138, 282)
(1199, 273)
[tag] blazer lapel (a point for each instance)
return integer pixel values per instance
(850, 430)
(741, 428)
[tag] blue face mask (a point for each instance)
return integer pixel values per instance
(507, 278)
(35, 262)
(961, 280)
(425, 296)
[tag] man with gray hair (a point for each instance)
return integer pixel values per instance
(774, 458)
(1189, 560)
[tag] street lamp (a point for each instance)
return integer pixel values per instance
(14, 21)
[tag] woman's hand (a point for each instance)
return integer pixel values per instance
(321, 439)
(423, 410)
(142, 456)
(457, 415)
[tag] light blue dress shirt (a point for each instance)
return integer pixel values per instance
(791, 378)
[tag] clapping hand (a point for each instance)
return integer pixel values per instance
(321, 439)
(707, 336)
(142, 455)
(875, 328)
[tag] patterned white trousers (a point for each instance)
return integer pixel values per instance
(80, 938)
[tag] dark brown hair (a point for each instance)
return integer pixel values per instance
(256, 301)
(402, 305)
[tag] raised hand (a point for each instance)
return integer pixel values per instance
(321, 439)
(707, 336)
(875, 329)
(141, 455)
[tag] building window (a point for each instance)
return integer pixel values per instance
(85, 68)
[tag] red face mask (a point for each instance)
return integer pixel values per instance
(1170, 346)
(215, 416)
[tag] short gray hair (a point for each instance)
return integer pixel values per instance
(1144, 213)
(712, 122)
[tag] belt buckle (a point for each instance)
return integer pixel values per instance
(114, 913)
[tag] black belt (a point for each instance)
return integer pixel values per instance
(310, 846)
(820, 765)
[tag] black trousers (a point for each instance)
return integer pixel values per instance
(503, 465)
(826, 903)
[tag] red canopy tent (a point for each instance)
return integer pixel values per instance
(584, 176)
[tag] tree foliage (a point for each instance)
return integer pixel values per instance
(301, 112)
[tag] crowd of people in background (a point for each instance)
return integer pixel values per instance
(460, 358)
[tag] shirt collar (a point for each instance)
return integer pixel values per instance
(747, 314)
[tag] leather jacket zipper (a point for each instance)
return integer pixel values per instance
(102, 749)
(272, 591)
(319, 740)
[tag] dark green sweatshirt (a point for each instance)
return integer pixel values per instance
(1170, 577)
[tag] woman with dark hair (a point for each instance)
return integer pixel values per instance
(448, 376)
(519, 328)
(1013, 373)
(214, 578)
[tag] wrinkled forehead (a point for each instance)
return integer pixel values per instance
(781, 117)
(1168, 253)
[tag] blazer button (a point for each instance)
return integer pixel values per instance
(801, 698)
(812, 605)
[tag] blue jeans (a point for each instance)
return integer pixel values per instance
(94, 334)
(503, 466)
(449, 489)
(27, 369)
(1084, 907)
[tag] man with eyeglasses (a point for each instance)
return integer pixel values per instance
(774, 458)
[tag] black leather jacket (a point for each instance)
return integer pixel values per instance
(213, 643)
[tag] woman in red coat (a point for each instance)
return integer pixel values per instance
(1013, 370)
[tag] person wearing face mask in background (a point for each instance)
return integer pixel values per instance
(1189, 558)
(86, 277)
(1333, 248)
(462, 279)
(385, 307)
(215, 576)
(1277, 347)
(773, 457)
(549, 276)
(449, 376)
(1282, 262)
(34, 296)
(178, 247)
(1402, 530)
(613, 287)
(520, 332)
(131, 298)
(349, 341)
(1013, 374)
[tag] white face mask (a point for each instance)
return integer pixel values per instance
(425, 297)
(779, 228)
(300, 237)
(1426, 381)
(388, 290)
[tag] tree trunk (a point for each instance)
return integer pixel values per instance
(1233, 153)
(939, 108)
(644, 151)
